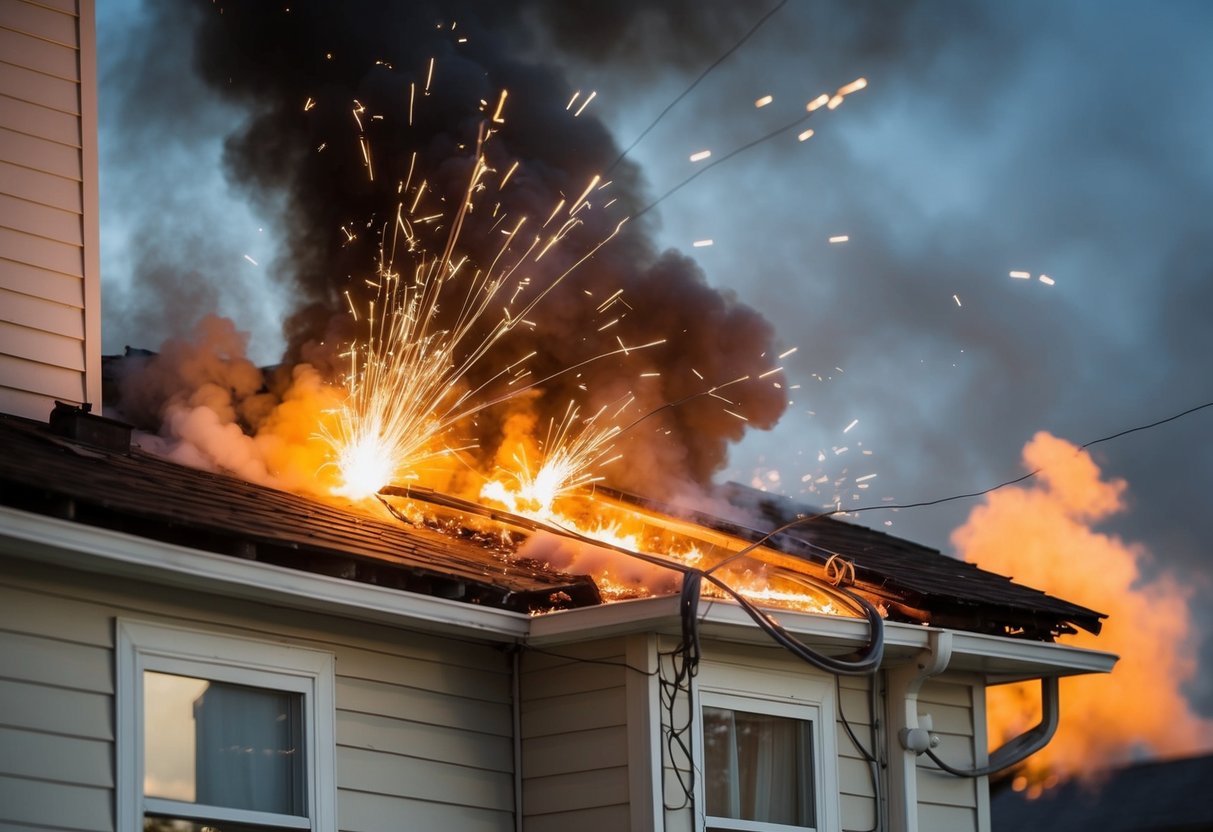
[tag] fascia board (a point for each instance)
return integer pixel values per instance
(994, 657)
(92, 549)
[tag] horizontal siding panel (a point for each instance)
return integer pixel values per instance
(43, 122)
(41, 187)
(36, 88)
(40, 21)
(855, 777)
(575, 678)
(39, 55)
(860, 813)
(365, 812)
(27, 404)
(579, 712)
(946, 818)
(41, 379)
(39, 283)
(575, 790)
(46, 757)
(45, 315)
(44, 254)
(472, 682)
(39, 154)
(365, 696)
(613, 649)
(946, 790)
(424, 780)
(943, 693)
(598, 818)
(56, 805)
(69, 6)
(29, 658)
(458, 746)
(34, 612)
(41, 220)
(575, 751)
(44, 347)
(70, 712)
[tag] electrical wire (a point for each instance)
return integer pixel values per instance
(695, 83)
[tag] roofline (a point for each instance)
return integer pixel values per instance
(93, 549)
(997, 658)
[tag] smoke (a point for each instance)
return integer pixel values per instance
(1043, 535)
(439, 65)
(206, 405)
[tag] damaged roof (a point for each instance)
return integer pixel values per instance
(127, 489)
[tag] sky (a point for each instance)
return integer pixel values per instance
(1060, 139)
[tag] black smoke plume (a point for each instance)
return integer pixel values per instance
(307, 167)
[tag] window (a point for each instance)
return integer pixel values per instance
(760, 766)
(222, 734)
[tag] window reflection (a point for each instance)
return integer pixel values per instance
(221, 744)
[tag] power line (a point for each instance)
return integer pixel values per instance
(695, 83)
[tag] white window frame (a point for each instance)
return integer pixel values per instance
(143, 645)
(825, 780)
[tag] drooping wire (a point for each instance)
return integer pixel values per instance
(695, 83)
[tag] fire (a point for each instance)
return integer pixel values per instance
(1042, 535)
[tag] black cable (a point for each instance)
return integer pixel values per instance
(695, 83)
(584, 660)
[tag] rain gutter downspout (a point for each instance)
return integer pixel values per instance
(904, 684)
(516, 709)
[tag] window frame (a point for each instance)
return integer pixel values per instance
(813, 712)
(164, 648)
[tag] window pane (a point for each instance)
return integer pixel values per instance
(221, 744)
(758, 767)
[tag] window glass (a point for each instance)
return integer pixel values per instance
(162, 824)
(758, 767)
(222, 744)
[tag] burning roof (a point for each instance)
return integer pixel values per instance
(478, 555)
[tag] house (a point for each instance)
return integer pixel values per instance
(183, 650)
(1148, 796)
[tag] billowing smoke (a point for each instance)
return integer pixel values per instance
(425, 76)
(1043, 534)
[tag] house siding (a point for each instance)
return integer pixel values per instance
(575, 743)
(423, 723)
(945, 802)
(49, 261)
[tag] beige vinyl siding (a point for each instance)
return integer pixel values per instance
(423, 723)
(575, 737)
(49, 266)
(857, 796)
(945, 802)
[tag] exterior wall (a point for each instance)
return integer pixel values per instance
(423, 723)
(771, 673)
(50, 313)
(575, 740)
(945, 802)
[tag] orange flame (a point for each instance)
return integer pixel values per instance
(1041, 534)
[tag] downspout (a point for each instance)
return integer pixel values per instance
(516, 708)
(904, 684)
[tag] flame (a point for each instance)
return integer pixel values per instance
(1041, 534)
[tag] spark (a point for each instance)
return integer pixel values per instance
(764, 101)
(700, 155)
(847, 429)
(805, 135)
(840, 238)
(309, 104)
(573, 100)
(701, 243)
(1046, 280)
(584, 194)
(786, 353)
(957, 299)
(508, 174)
(251, 260)
(771, 372)
(733, 413)
(854, 86)
(1021, 275)
(497, 118)
(429, 76)
(834, 101)
(818, 102)
(865, 477)
(585, 103)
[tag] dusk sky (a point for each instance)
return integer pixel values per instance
(1062, 139)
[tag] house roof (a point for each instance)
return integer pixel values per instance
(138, 492)
(1153, 796)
